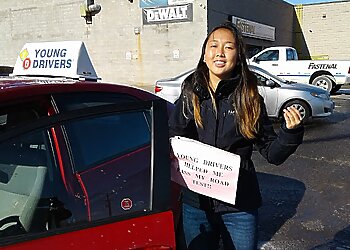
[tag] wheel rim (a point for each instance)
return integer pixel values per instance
(301, 109)
(324, 83)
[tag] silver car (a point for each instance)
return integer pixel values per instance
(278, 93)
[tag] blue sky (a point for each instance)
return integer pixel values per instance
(307, 1)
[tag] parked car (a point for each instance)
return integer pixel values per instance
(83, 164)
(278, 93)
(170, 88)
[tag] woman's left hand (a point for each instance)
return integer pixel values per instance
(292, 117)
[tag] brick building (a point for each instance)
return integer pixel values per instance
(137, 42)
(321, 30)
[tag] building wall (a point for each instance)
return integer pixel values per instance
(118, 54)
(324, 30)
(276, 13)
(33, 21)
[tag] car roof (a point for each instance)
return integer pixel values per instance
(13, 89)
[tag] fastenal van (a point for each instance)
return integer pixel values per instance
(283, 62)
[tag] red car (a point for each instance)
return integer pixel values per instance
(83, 164)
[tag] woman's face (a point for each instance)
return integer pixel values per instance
(220, 55)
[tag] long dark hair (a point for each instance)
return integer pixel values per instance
(246, 97)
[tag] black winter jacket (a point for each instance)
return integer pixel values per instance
(222, 132)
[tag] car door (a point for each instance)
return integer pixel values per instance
(269, 61)
(270, 94)
(103, 182)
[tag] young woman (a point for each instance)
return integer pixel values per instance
(220, 106)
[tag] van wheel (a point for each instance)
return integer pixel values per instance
(335, 89)
(324, 82)
(301, 106)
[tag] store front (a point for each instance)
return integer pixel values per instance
(257, 36)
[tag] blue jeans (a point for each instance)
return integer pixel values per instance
(203, 230)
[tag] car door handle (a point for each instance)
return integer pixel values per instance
(274, 64)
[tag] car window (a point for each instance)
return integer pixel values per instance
(14, 116)
(33, 196)
(71, 101)
(271, 55)
(108, 172)
(112, 159)
(24, 168)
(261, 79)
(100, 139)
(260, 71)
(291, 55)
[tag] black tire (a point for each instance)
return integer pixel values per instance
(335, 89)
(302, 106)
(324, 82)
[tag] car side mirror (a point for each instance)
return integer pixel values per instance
(256, 60)
(270, 83)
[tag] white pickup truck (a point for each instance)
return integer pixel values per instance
(283, 62)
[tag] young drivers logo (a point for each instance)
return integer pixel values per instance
(26, 60)
(126, 204)
(26, 63)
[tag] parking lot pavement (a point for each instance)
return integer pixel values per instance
(342, 93)
(306, 202)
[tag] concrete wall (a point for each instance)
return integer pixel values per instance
(118, 54)
(33, 21)
(325, 30)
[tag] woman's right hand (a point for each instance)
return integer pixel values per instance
(292, 117)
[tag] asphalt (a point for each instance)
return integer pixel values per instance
(306, 200)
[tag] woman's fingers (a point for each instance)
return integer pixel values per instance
(292, 117)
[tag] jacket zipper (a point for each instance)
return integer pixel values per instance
(211, 201)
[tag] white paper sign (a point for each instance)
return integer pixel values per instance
(205, 169)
